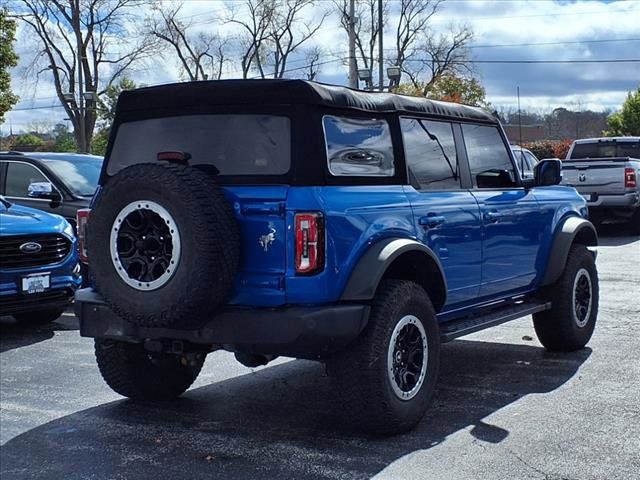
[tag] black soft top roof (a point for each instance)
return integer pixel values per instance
(198, 97)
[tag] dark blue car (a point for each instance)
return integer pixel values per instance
(292, 218)
(39, 270)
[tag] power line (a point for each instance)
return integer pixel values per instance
(573, 42)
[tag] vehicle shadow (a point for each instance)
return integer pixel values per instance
(21, 334)
(616, 235)
(279, 422)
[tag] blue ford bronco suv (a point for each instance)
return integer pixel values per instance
(285, 217)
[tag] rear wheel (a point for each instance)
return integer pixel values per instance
(387, 377)
(569, 324)
(39, 316)
(133, 372)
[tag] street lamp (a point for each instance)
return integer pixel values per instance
(394, 76)
(364, 75)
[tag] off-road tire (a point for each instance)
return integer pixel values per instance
(557, 329)
(359, 373)
(135, 373)
(39, 317)
(209, 237)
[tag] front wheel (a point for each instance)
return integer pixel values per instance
(569, 324)
(133, 372)
(387, 377)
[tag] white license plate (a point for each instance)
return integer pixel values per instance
(35, 283)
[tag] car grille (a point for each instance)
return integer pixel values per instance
(54, 249)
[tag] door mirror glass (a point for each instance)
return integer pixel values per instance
(548, 172)
(42, 190)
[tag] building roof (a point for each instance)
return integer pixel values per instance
(187, 97)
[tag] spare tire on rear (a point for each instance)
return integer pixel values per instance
(163, 245)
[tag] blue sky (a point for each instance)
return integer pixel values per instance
(504, 31)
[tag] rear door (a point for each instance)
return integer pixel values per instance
(512, 222)
(446, 216)
(250, 155)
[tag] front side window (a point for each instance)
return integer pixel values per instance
(489, 159)
(233, 144)
(430, 151)
(358, 147)
(19, 176)
(79, 174)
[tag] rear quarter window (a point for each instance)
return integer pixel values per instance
(234, 144)
(358, 146)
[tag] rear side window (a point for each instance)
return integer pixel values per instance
(358, 147)
(606, 149)
(234, 144)
(430, 151)
(489, 159)
(19, 176)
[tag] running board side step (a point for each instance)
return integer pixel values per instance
(457, 328)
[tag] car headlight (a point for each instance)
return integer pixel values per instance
(68, 230)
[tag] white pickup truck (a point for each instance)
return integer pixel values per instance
(606, 171)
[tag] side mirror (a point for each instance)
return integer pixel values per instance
(43, 190)
(494, 178)
(548, 172)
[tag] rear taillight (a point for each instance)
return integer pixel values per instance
(309, 243)
(82, 218)
(630, 180)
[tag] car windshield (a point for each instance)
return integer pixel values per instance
(605, 149)
(79, 173)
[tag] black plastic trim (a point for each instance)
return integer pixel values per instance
(301, 332)
(564, 238)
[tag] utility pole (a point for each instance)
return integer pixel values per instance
(83, 137)
(353, 70)
(381, 53)
(519, 116)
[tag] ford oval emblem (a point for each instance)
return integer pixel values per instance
(30, 247)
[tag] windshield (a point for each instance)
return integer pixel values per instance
(80, 174)
(233, 144)
(610, 149)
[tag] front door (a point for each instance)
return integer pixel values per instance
(447, 217)
(18, 176)
(512, 222)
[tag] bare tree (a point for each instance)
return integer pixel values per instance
(270, 32)
(288, 31)
(422, 55)
(439, 55)
(201, 55)
(312, 62)
(86, 39)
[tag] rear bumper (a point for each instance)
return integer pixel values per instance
(301, 332)
(621, 201)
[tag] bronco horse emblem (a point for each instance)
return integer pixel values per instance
(268, 239)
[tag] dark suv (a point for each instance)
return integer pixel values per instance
(292, 218)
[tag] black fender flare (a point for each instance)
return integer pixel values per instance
(371, 267)
(572, 229)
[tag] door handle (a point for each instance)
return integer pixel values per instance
(492, 217)
(431, 220)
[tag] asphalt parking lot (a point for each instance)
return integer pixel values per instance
(504, 408)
